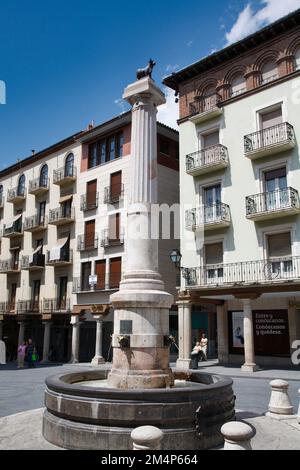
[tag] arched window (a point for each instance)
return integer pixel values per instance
(238, 85)
(297, 59)
(208, 99)
(21, 186)
(44, 176)
(269, 72)
(69, 165)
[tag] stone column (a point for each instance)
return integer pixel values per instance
(249, 365)
(1, 329)
(184, 334)
(21, 332)
(75, 339)
(98, 359)
(222, 328)
(141, 307)
(46, 345)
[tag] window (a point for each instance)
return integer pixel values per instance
(297, 59)
(100, 269)
(271, 118)
(212, 203)
(69, 165)
(15, 257)
(91, 194)
(164, 146)
(21, 186)
(89, 235)
(115, 186)
(86, 271)
(211, 139)
(106, 150)
(42, 213)
(36, 296)
(114, 228)
(115, 266)
(279, 253)
(269, 72)
(120, 145)
(238, 85)
(111, 149)
(63, 288)
(44, 176)
(12, 297)
(214, 262)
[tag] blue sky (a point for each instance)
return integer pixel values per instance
(66, 63)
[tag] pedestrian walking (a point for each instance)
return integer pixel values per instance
(21, 355)
(204, 345)
(31, 355)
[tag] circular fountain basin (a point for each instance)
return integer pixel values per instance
(83, 412)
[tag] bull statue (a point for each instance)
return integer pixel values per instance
(147, 71)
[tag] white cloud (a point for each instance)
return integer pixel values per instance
(250, 21)
(122, 104)
(172, 68)
(169, 113)
(190, 43)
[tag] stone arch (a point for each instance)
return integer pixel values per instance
(235, 78)
(205, 88)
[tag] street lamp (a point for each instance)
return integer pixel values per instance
(175, 257)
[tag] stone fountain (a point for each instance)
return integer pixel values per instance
(93, 410)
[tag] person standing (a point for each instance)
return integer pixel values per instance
(204, 344)
(30, 353)
(21, 355)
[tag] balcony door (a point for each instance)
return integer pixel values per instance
(116, 185)
(209, 146)
(89, 234)
(100, 269)
(212, 203)
(12, 297)
(91, 194)
(277, 194)
(42, 213)
(115, 266)
(86, 271)
(271, 131)
(35, 301)
(62, 296)
(280, 263)
(114, 228)
(214, 263)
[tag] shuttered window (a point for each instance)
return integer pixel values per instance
(114, 227)
(279, 245)
(214, 253)
(86, 270)
(91, 193)
(211, 139)
(116, 184)
(269, 72)
(115, 267)
(272, 118)
(238, 85)
(89, 235)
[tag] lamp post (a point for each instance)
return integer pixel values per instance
(176, 257)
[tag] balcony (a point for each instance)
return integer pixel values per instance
(9, 266)
(61, 216)
(208, 217)
(13, 230)
(109, 240)
(207, 160)
(205, 108)
(244, 274)
(62, 258)
(64, 176)
(270, 141)
(28, 306)
(113, 194)
(89, 202)
(82, 286)
(3, 308)
(273, 204)
(16, 195)
(35, 223)
(85, 243)
(38, 186)
(35, 262)
(57, 305)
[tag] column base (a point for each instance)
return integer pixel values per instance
(184, 364)
(74, 361)
(97, 360)
(249, 368)
(147, 379)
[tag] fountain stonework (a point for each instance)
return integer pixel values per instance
(98, 411)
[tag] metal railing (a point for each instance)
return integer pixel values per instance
(87, 243)
(109, 239)
(35, 221)
(110, 282)
(16, 228)
(264, 81)
(66, 256)
(207, 215)
(89, 202)
(244, 273)
(28, 306)
(208, 156)
(114, 193)
(56, 305)
(233, 94)
(3, 307)
(15, 193)
(9, 265)
(204, 104)
(38, 183)
(61, 213)
(36, 260)
(275, 135)
(272, 201)
(64, 173)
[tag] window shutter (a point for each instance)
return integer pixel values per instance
(214, 253)
(100, 271)
(279, 245)
(115, 272)
(279, 173)
(273, 118)
(211, 139)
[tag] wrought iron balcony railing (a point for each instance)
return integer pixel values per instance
(218, 213)
(65, 257)
(85, 243)
(28, 306)
(35, 261)
(64, 174)
(35, 222)
(113, 194)
(9, 266)
(204, 104)
(15, 229)
(207, 157)
(244, 273)
(109, 239)
(89, 202)
(61, 214)
(281, 134)
(38, 185)
(3, 307)
(16, 194)
(110, 282)
(56, 305)
(286, 199)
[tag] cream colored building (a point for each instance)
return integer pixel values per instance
(240, 184)
(63, 239)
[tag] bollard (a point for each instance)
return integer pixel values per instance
(280, 402)
(298, 415)
(237, 436)
(147, 438)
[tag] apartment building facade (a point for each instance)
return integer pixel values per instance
(239, 189)
(63, 238)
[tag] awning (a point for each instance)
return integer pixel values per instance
(11, 225)
(55, 251)
(39, 248)
(66, 198)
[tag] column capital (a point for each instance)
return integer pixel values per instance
(145, 89)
